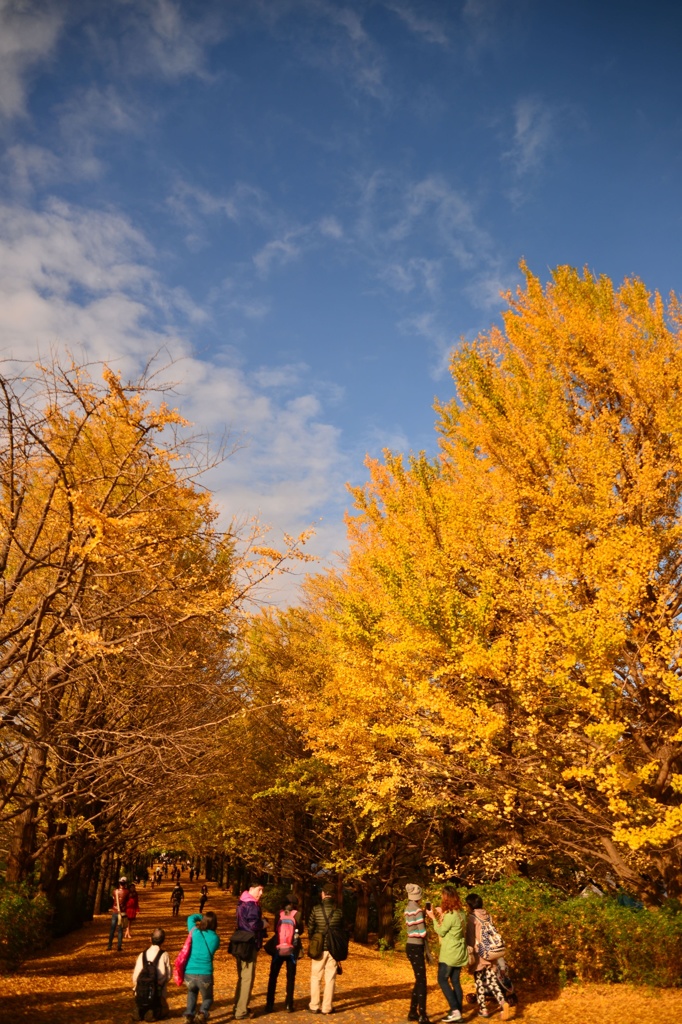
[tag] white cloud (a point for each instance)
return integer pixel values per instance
(29, 166)
(287, 376)
(429, 29)
(532, 134)
(84, 281)
(424, 222)
(486, 289)
(413, 275)
(28, 33)
(330, 227)
(428, 325)
(329, 36)
(291, 245)
(90, 117)
(169, 43)
(483, 19)
(277, 253)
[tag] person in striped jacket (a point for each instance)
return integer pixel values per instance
(415, 949)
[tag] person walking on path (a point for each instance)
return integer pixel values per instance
(118, 906)
(287, 944)
(485, 974)
(177, 896)
(449, 922)
(199, 969)
(203, 897)
(155, 952)
(324, 917)
(416, 952)
(132, 909)
(249, 919)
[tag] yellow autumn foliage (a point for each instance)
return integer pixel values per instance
(502, 648)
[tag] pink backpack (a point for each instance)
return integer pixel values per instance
(287, 929)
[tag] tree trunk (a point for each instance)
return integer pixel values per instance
(52, 861)
(22, 843)
(102, 881)
(361, 926)
(95, 869)
(386, 919)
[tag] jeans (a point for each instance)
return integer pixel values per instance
(275, 968)
(199, 983)
(448, 979)
(415, 954)
(112, 930)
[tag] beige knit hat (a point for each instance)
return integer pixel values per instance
(414, 892)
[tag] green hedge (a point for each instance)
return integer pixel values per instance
(25, 919)
(553, 940)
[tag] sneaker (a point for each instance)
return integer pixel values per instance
(452, 1016)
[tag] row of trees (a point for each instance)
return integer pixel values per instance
(120, 607)
(492, 682)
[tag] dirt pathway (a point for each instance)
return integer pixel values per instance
(78, 981)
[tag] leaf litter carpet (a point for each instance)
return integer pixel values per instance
(78, 981)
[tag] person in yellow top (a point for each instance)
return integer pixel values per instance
(449, 922)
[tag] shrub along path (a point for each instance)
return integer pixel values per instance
(78, 981)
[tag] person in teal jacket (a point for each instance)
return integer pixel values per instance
(199, 969)
(449, 922)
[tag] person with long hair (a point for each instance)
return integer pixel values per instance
(199, 969)
(449, 923)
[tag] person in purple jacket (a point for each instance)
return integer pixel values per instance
(249, 919)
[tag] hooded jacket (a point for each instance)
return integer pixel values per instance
(474, 921)
(249, 917)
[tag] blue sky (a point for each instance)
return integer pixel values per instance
(307, 203)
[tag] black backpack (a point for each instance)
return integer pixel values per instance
(147, 995)
(337, 940)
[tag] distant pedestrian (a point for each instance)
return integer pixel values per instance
(199, 969)
(287, 944)
(324, 918)
(150, 978)
(415, 950)
(191, 874)
(177, 896)
(449, 922)
(203, 898)
(480, 930)
(118, 906)
(132, 909)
